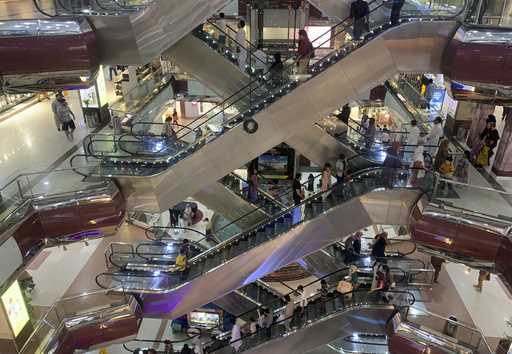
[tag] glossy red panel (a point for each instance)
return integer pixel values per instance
(29, 233)
(92, 334)
(69, 220)
(504, 260)
(83, 217)
(401, 345)
(493, 61)
(455, 238)
(26, 55)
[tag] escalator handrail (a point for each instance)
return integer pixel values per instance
(40, 9)
(261, 84)
(249, 52)
(260, 331)
(261, 192)
(147, 255)
(312, 198)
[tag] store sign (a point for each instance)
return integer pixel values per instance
(15, 308)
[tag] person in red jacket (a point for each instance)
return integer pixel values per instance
(305, 52)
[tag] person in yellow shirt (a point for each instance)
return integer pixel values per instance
(181, 263)
(446, 170)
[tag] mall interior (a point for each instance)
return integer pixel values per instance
(256, 176)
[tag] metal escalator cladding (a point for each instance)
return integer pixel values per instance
(283, 222)
(260, 103)
(318, 311)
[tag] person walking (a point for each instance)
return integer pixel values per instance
(236, 337)
(326, 180)
(305, 52)
(298, 191)
(413, 137)
(186, 350)
(442, 154)
(490, 134)
(241, 45)
(288, 312)
(55, 105)
(222, 26)
(379, 246)
(370, 133)
(359, 13)
(435, 135)
(341, 167)
(66, 117)
(396, 8)
(437, 264)
(392, 164)
(482, 276)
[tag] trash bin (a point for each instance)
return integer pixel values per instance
(450, 327)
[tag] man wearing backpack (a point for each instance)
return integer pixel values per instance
(359, 13)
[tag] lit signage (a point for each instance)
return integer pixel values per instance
(15, 308)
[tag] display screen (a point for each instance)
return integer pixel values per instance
(273, 166)
(14, 305)
(204, 319)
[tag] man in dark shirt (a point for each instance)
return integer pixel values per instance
(359, 13)
(298, 192)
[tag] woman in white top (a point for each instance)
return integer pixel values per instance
(435, 135)
(240, 45)
(236, 337)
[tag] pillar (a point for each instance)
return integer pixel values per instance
(503, 161)
(482, 111)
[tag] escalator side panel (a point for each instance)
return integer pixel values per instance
(359, 319)
(401, 345)
(300, 241)
(207, 66)
(223, 201)
(504, 263)
(318, 146)
(363, 69)
(454, 238)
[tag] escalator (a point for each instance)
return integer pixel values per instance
(107, 32)
(324, 321)
(229, 197)
(273, 244)
(214, 152)
(45, 209)
(85, 321)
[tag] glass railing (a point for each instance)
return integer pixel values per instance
(58, 185)
(318, 310)
(362, 183)
(465, 334)
(89, 7)
(82, 308)
(242, 187)
(261, 94)
(471, 200)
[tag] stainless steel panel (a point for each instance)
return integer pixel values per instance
(236, 303)
(223, 201)
(358, 319)
(141, 37)
(318, 145)
(400, 49)
(339, 9)
(206, 65)
(300, 241)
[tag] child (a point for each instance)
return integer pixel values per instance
(447, 169)
(482, 159)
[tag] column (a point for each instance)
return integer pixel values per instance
(503, 161)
